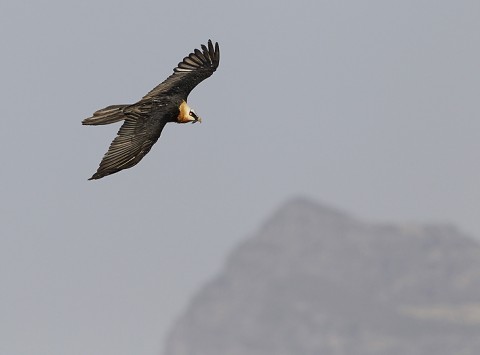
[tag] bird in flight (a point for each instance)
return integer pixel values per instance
(144, 120)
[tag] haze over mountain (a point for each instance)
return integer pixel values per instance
(315, 280)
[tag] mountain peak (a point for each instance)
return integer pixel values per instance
(315, 280)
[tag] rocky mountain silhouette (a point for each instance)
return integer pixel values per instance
(316, 281)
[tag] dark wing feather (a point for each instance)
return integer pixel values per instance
(134, 140)
(191, 71)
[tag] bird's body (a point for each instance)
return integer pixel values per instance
(145, 119)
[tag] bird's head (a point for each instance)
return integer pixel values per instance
(187, 114)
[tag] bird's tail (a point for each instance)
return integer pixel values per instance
(106, 115)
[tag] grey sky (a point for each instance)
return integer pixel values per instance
(371, 106)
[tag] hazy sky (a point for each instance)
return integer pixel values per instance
(370, 106)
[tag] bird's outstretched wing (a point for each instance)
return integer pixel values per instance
(191, 71)
(134, 140)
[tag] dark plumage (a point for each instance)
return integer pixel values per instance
(144, 120)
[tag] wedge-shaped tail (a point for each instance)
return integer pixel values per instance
(106, 115)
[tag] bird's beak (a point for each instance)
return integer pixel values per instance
(197, 119)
